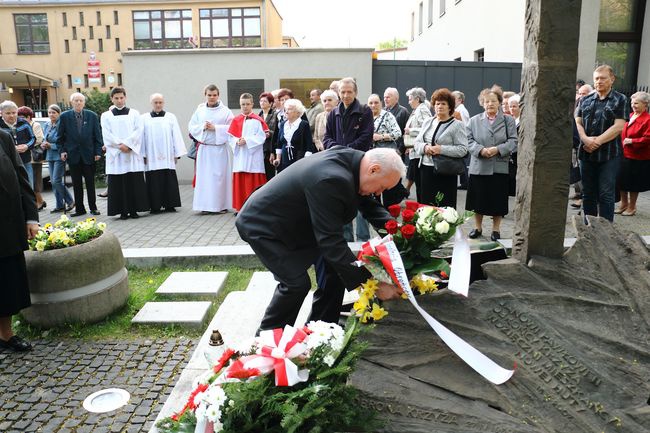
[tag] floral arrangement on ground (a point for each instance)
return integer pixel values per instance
(64, 233)
(417, 231)
(289, 380)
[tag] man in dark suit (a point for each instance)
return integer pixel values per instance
(299, 215)
(81, 145)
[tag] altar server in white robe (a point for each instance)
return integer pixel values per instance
(163, 146)
(213, 170)
(122, 134)
(247, 136)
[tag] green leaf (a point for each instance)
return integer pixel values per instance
(432, 265)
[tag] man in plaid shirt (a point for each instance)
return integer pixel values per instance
(600, 118)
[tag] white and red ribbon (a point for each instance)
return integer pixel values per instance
(389, 255)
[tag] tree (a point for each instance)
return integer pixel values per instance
(97, 101)
(392, 44)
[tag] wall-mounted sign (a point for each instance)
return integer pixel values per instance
(94, 75)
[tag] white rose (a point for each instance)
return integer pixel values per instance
(425, 212)
(442, 227)
(450, 215)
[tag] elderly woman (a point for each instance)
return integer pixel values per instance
(515, 111)
(387, 131)
(294, 139)
(22, 133)
(505, 104)
(441, 137)
(64, 201)
(418, 102)
(492, 137)
(330, 100)
(269, 114)
(18, 222)
(635, 167)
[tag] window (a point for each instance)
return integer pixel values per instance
(91, 32)
(235, 27)
(66, 45)
(100, 45)
(442, 7)
(412, 25)
(65, 19)
(119, 79)
(81, 19)
(420, 18)
(99, 18)
(479, 55)
(31, 33)
(162, 29)
(116, 18)
(74, 33)
(83, 45)
(69, 81)
(430, 13)
(117, 44)
(86, 84)
(108, 32)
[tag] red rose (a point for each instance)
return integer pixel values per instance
(394, 210)
(391, 227)
(412, 205)
(407, 215)
(408, 231)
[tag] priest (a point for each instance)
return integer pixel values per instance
(122, 134)
(247, 136)
(213, 173)
(163, 145)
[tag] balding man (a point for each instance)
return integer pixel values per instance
(314, 109)
(299, 216)
(391, 104)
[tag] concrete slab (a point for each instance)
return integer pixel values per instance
(193, 283)
(190, 314)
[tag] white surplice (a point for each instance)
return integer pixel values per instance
(124, 129)
(249, 158)
(162, 140)
(213, 187)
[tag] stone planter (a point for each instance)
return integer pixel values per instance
(80, 284)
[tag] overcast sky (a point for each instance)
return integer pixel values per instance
(344, 23)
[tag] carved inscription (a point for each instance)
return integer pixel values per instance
(560, 372)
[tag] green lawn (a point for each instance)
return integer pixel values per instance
(143, 284)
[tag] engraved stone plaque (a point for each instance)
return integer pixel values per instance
(237, 87)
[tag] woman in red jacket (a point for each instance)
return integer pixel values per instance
(635, 168)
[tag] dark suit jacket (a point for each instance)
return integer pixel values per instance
(305, 207)
(301, 141)
(17, 201)
(80, 147)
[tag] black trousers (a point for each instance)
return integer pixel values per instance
(87, 172)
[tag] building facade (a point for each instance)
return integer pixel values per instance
(615, 32)
(50, 49)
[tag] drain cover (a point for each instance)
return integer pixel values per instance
(106, 400)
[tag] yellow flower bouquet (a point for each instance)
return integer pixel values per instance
(64, 233)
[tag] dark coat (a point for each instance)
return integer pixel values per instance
(355, 132)
(301, 141)
(272, 122)
(22, 134)
(17, 201)
(81, 147)
(302, 211)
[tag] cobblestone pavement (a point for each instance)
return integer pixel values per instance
(43, 390)
(187, 228)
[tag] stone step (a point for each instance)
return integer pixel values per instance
(193, 284)
(189, 314)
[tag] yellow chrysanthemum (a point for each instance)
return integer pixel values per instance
(424, 284)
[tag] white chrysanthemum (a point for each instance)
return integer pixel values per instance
(198, 398)
(213, 413)
(200, 411)
(216, 396)
(329, 360)
(218, 426)
(450, 215)
(442, 227)
(323, 333)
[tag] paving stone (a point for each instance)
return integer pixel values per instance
(190, 314)
(193, 283)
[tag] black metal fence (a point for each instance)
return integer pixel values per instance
(468, 77)
(631, 90)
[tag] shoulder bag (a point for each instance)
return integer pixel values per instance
(447, 165)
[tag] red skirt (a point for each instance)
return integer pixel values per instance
(243, 185)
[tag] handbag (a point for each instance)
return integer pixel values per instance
(447, 166)
(38, 153)
(390, 144)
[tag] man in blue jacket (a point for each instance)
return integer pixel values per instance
(80, 141)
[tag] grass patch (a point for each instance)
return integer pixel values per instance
(143, 284)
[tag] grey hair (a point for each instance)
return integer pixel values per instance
(54, 107)
(458, 95)
(392, 90)
(329, 94)
(155, 95)
(295, 103)
(515, 97)
(388, 159)
(8, 104)
(76, 94)
(417, 92)
(643, 97)
(348, 80)
(586, 86)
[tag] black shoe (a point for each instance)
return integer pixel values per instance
(69, 207)
(135, 215)
(95, 212)
(16, 344)
(475, 234)
(57, 210)
(495, 236)
(155, 211)
(76, 214)
(170, 209)
(124, 216)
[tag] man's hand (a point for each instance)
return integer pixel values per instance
(386, 291)
(590, 144)
(32, 231)
(64, 156)
(124, 148)
(241, 141)
(21, 148)
(209, 125)
(377, 137)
